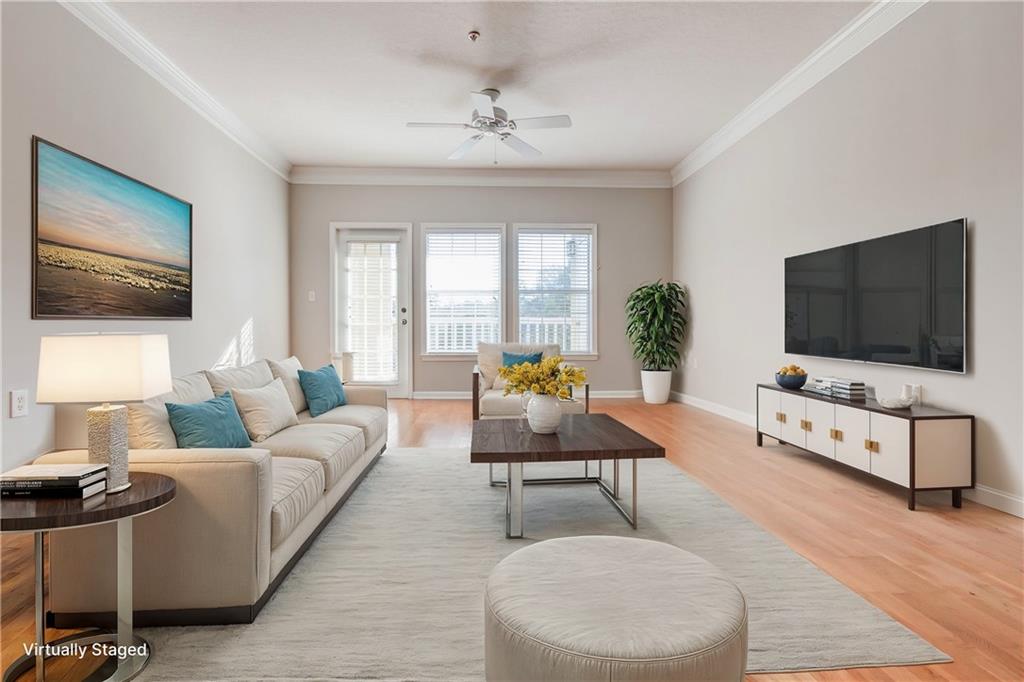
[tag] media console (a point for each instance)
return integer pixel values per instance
(918, 448)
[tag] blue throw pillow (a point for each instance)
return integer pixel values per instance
(509, 359)
(323, 389)
(211, 424)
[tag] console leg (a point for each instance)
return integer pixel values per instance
(957, 498)
(910, 500)
(760, 439)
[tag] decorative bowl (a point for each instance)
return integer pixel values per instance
(895, 403)
(791, 381)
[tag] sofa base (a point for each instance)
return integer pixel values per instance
(221, 615)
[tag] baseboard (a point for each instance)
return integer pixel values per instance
(715, 408)
(467, 395)
(997, 499)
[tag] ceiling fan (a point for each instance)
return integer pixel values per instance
(493, 122)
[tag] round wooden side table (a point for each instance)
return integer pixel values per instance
(41, 515)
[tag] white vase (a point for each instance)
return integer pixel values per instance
(544, 413)
(657, 385)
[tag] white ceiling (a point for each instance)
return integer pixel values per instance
(334, 83)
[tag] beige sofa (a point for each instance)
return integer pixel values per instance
(241, 518)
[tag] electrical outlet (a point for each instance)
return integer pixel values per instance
(19, 403)
(311, 296)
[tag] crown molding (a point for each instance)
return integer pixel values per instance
(867, 27)
(109, 25)
(471, 177)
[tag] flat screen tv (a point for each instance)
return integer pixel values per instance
(898, 299)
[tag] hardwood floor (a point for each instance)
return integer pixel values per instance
(954, 576)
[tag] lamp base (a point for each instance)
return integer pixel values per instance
(108, 443)
(118, 489)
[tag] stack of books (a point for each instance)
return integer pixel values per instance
(838, 387)
(80, 481)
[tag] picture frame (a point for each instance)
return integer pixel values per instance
(105, 245)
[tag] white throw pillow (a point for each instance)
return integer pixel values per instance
(265, 410)
(288, 372)
(254, 375)
(148, 425)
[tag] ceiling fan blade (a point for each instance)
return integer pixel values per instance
(438, 125)
(483, 104)
(520, 146)
(464, 148)
(561, 121)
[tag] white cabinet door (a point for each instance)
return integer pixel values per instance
(821, 418)
(767, 407)
(793, 413)
(892, 460)
(855, 428)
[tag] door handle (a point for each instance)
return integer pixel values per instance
(836, 435)
(405, 321)
(780, 417)
(871, 445)
(805, 424)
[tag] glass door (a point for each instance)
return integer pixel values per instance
(373, 315)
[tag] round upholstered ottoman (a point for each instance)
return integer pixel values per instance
(612, 608)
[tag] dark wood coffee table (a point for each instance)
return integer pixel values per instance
(580, 438)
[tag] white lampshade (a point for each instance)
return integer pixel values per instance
(102, 368)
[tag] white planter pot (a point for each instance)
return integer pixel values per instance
(544, 413)
(657, 385)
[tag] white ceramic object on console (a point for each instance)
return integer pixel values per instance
(896, 403)
(657, 385)
(544, 413)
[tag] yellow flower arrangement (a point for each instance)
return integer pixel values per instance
(547, 377)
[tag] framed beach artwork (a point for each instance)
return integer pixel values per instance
(105, 245)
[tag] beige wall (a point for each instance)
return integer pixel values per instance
(85, 95)
(633, 246)
(923, 126)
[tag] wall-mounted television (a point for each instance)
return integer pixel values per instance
(898, 299)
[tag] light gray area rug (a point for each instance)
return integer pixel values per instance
(393, 587)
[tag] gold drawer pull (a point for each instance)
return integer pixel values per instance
(871, 445)
(780, 417)
(805, 424)
(835, 434)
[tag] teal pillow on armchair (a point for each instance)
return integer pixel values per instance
(323, 389)
(213, 423)
(510, 359)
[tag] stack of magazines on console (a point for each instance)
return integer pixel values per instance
(837, 387)
(79, 481)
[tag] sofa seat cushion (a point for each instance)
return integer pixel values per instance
(371, 419)
(335, 446)
(298, 486)
(494, 403)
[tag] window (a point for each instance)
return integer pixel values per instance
(555, 286)
(372, 286)
(463, 273)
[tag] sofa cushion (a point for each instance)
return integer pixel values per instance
(335, 446)
(494, 403)
(371, 419)
(489, 357)
(148, 425)
(254, 375)
(288, 372)
(212, 423)
(298, 486)
(264, 411)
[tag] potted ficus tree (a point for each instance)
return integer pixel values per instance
(656, 327)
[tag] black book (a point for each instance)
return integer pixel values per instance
(33, 484)
(79, 493)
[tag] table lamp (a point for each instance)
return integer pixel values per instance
(104, 368)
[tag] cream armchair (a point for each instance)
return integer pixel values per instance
(489, 399)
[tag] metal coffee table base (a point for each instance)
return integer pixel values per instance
(514, 492)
